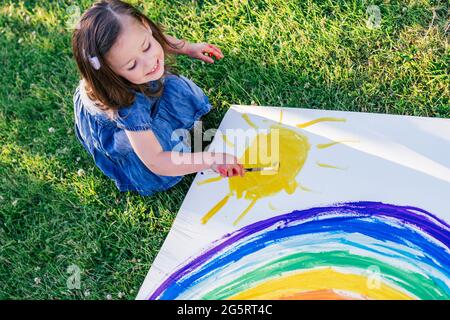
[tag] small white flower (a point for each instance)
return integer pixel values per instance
(80, 172)
(51, 129)
(108, 297)
(20, 40)
(37, 269)
(37, 280)
(14, 202)
(121, 295)
(404, 9)
(78, 159)
(87, 293)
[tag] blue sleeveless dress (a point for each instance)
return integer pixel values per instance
(180, 105)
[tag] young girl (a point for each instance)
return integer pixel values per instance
(129, 102)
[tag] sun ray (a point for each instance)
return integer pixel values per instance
(325, 165)
(301, 187)
(228, 142)
(245, 211)
(249, 122)
(215, 209)
(310, 123)
(209, 180)
(271, 206)
(327, 145)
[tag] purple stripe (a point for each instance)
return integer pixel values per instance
(425, 221)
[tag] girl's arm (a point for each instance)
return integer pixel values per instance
(195, 50)
(182, 43)
(167, 163)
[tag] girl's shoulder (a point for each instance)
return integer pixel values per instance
(89, 105)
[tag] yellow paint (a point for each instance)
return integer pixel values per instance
(290, 149)
(304, 188)
(216, 208)
(228, 142)
(318, 295)
(309, 123)
(321, 279)
(214, 179)
(249, 122)
(244, 212)
(293, 150)
(281, 117)
(327, 145)
(325, 165)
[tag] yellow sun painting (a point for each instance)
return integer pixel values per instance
(291, 151)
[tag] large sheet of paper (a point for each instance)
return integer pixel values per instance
(359, 209)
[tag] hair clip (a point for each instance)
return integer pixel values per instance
(95, 63)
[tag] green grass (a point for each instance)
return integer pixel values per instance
(310, 54)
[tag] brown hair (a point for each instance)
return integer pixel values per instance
(96, 33)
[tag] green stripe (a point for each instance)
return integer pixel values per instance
(414, 283)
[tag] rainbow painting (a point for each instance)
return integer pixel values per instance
(361, 250)
(358, 208)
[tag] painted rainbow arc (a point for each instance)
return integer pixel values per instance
(358, 250)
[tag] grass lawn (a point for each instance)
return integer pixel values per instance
(309, 54)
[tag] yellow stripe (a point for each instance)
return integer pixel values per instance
(324, 165)
(215, 209)
(209, 180)
(224, 137)
(310, 123)
(247, 119)
(322, 279)
(245, 212)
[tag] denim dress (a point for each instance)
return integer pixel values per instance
(180, 105)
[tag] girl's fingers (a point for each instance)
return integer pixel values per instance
(222, 171)
(216, 51)
(242, 170)
(206, 56)
(207, 59)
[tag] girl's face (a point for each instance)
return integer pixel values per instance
(136, 55)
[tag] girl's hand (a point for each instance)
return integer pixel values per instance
(228, 166)
(198, 51)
